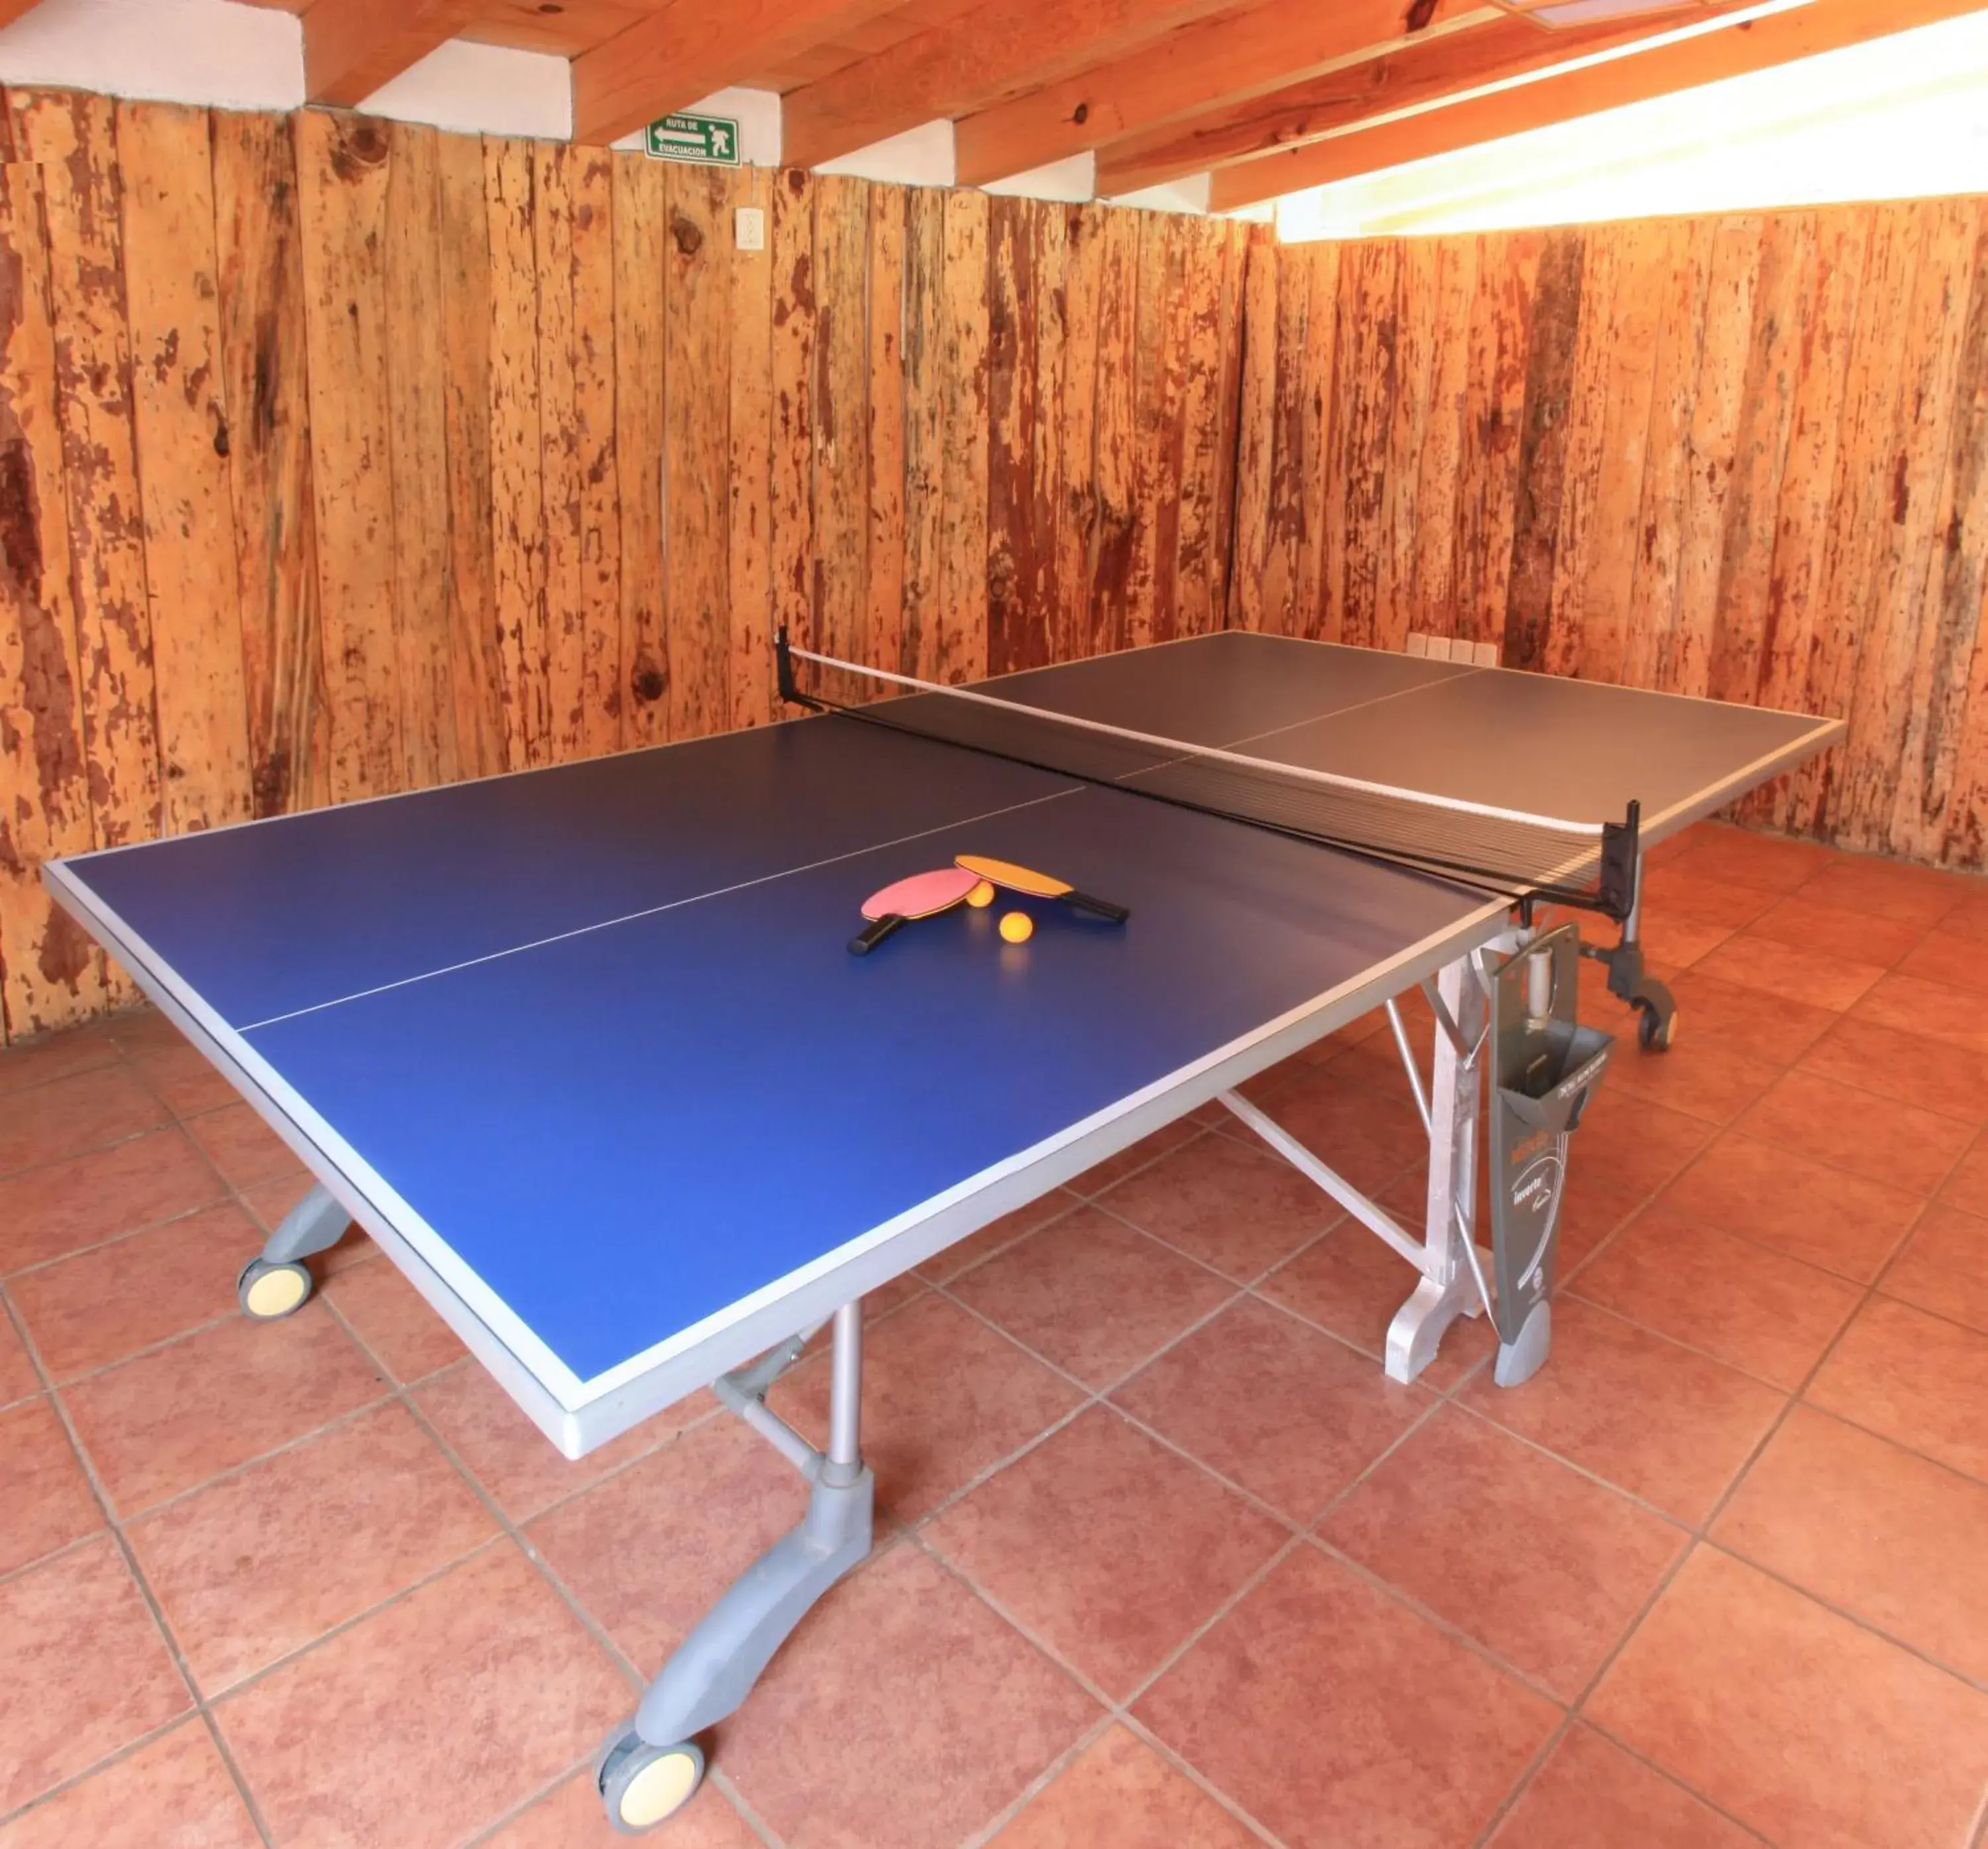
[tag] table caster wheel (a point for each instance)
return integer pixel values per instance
(643, 1786)
(268, 1292)
(1655, 1027)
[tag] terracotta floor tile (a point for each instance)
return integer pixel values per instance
(1568, 1565)
(1947, 958)
(1371, 1065)
(1341, 1720)
(1836, 931)
(1766, 1026)
(1119, 1793)
(245, 1150)
(172, 1794)
(1367, 1131)
(1872, 1529)
(899, 1671)
(648, 1551)
(1846, 1127)
(1677, 891)
(1911, 1005)
(141, 1029)
(1590, 1793)
(1048, 1292)
(172, 1418)
(83, 1670)
(1798, 973)
(184, 1081)
(1113, 1169)
(1351, 1283)
(1291, 1414)
(572, 1818)
(1849, 1740)
(1943, 1267)
(519, 1466)
(1107, 1545)
(1914, 1377)
(1967, 1185)
(428, 1720)
(1225, 1204)
(1909, 1067)
(1770, 1316)
(55, 1055)
(46, 1501)
(1722, 851)
(1822, 1215)
(1889, 889)
(1677, 940)
(1667, 1425)
(1637, 1146)
(49, 1212)
(998, 1237)
(17, 1377)
(66, 1117)
(1699, 1076)
(1969, 918)
(259, 1564)
(944, 1398)
(394, 1320)
(101, 1305)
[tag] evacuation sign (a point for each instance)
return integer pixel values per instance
(713, 139)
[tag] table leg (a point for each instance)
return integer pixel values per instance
(1450, 1287)
(649, 1769)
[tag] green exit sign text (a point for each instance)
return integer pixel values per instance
(711, 138)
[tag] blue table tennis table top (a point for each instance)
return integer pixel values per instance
(583, 1045)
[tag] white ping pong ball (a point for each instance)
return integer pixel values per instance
(1016, 927)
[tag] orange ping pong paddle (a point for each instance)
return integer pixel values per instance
(1038, 885)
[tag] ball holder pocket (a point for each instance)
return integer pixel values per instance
(1545, 1067)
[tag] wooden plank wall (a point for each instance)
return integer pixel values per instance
(1742, 457)
(339, 456)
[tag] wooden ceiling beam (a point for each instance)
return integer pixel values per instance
(1245, 52)
(996, 51)
(352, 47)
(687, 48)
(1503, 44)
(1825, 26)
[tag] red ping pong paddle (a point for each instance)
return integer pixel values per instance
(918, 896)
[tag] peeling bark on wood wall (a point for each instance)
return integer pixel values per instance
(1745, 457)
(344, 456)
(339, 456)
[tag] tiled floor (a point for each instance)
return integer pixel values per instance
(1169, 1563)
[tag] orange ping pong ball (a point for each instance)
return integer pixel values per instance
(1016, 927)
(982, 896)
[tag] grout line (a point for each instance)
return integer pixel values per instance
(121, 1541)
(1095, 1397)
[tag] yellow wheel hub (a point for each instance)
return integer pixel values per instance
(276, 1293)
(659, 1789)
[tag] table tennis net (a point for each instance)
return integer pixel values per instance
(1500, 852)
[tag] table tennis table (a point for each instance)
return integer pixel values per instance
(583, 1048)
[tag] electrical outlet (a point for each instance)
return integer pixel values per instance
(749, 228)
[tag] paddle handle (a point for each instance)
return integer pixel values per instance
(1098, 908)
(873, 934)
